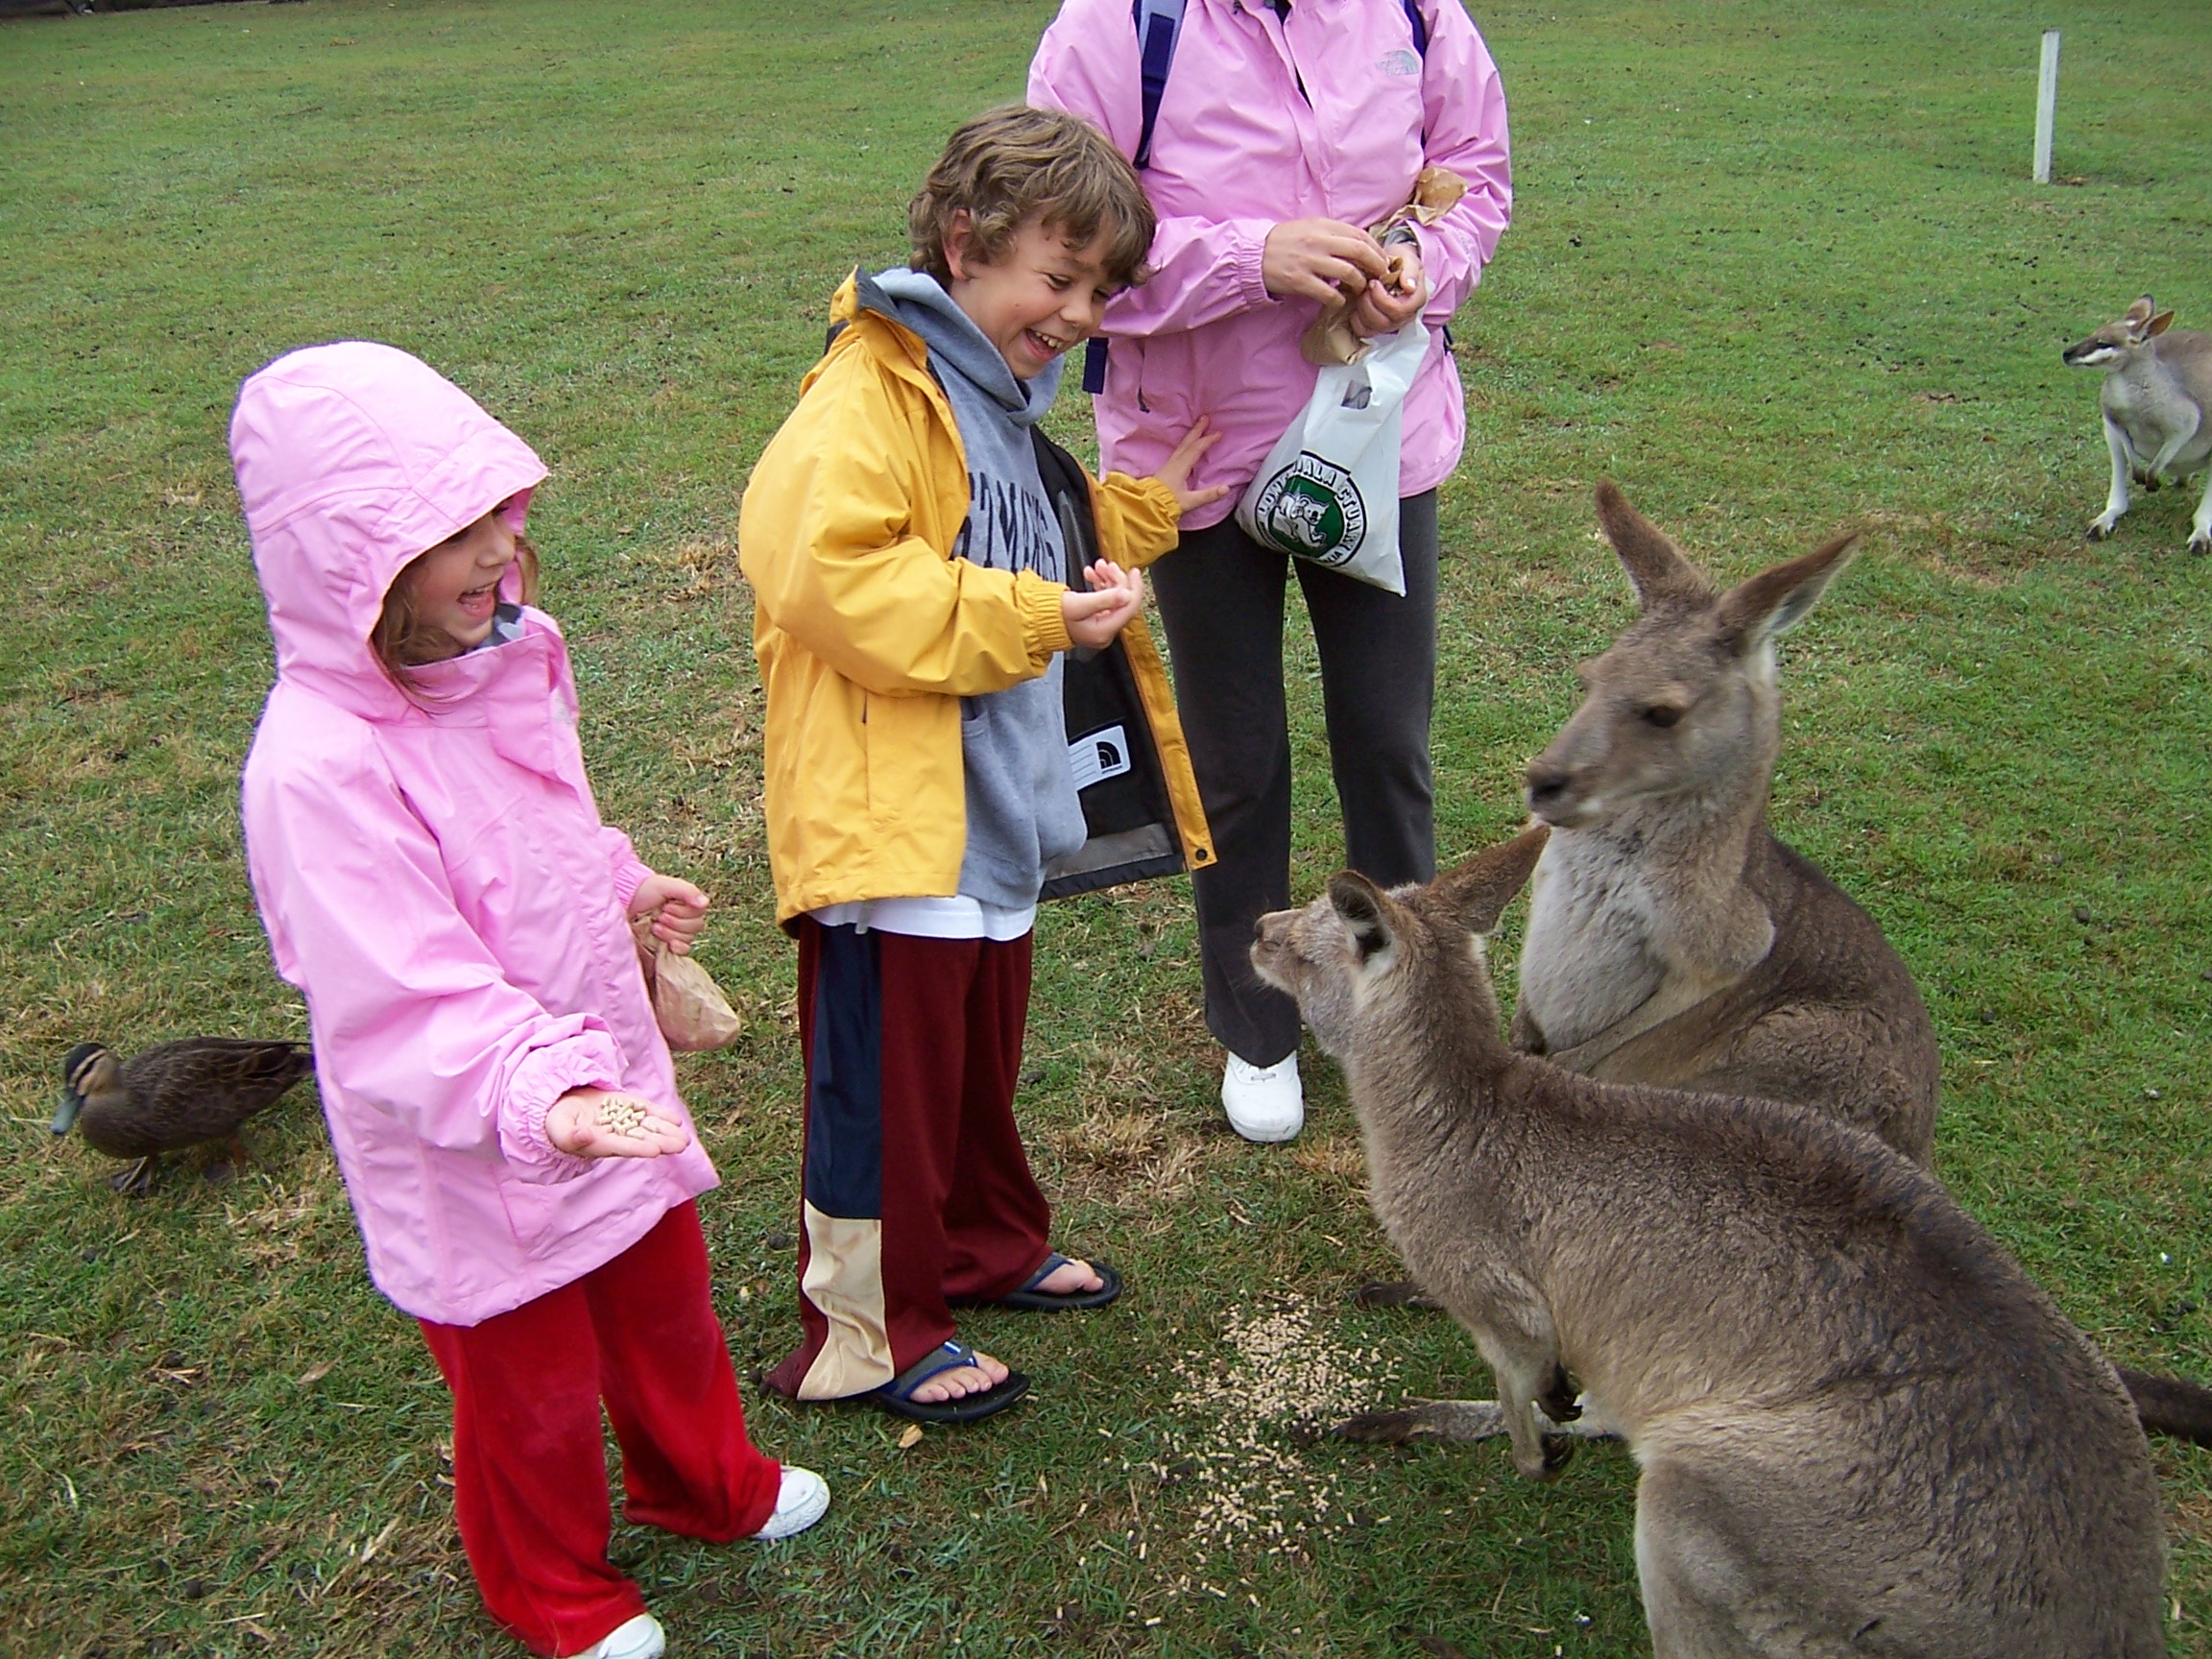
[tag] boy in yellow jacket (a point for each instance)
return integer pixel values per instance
(898, 540)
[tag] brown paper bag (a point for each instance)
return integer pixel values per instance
(694, 1014)
(1330, 340)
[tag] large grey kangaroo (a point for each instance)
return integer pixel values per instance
(1861, 1427)
(1672, 940)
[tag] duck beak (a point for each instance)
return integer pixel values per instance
(66, 1114)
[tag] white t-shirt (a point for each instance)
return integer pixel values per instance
(955, 918)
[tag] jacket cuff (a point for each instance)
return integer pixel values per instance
(586, 1061)
(628, 870)
(629, 875)
(1248, 249)
(1046, 628)
(1434, 250)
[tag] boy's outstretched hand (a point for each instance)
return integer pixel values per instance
(1175, 470)
(605, 1123)
(1095, 617)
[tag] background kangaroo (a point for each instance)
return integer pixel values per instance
(1861, 1427)
(2156, 396)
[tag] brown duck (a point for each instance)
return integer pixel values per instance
(175, 1096)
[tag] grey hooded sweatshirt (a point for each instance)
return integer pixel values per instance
(1022, 809)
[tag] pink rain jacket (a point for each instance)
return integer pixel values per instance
(432, 872)
(1327, 113)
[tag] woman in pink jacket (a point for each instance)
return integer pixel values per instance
(435, 879)
(1284, 128)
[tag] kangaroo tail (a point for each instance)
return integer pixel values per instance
(2171, 1406)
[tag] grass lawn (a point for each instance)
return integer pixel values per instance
(1775, 267)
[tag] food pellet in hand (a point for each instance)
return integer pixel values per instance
(623, 1116)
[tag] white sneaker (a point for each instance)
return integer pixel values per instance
(805, 1499)
(1264, 1102)
(640, 1638)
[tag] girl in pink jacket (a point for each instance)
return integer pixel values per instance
(435, 879)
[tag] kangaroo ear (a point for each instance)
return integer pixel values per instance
(1655, 564)
(2159, 324)
(1477, 892)
(2140, 311)
(1363, 910)
(1776, 600)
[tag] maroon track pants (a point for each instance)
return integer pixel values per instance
(529, 1456)
(917, 1188)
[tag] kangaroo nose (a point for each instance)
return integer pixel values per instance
(1547, 783)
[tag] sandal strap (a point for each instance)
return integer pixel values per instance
(1053, 1262)
(950, 1354)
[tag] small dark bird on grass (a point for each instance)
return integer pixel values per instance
(179, 1094)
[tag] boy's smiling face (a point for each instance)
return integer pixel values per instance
(1043, 298)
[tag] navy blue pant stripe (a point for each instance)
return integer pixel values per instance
(845, 1095)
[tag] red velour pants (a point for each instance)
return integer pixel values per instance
(529, 1459)
(916, 1185)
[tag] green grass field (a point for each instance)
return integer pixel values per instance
(1776, 268)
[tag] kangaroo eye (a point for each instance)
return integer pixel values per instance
(1661, 716)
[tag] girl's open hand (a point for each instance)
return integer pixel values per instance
(1095, 617)
(1175, 470)
(604, 1123)
(678, 911)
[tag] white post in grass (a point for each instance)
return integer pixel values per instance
(2046, 106)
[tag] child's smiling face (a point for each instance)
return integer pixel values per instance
(455, 585)
(1043, 298)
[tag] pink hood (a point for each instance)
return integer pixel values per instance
(352, 460)
(431, 869)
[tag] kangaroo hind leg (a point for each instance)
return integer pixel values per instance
(1705, 1595)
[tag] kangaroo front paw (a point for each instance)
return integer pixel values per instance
(2147, 482)
(1559, 1399)
(2099, 529)
(1552, 1456)
(2201, 541)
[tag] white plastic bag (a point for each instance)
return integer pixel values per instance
(1328, 491)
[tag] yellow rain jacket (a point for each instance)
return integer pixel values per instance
(869, 632)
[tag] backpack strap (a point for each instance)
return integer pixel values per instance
(1420, 26)
(1159, 25)
(1158, 22)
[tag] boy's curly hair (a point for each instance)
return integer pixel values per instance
(1009, 166)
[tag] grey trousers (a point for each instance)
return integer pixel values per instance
(1221, 597)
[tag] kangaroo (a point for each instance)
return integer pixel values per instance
(1861, 1427)
(1671, 938)
(2156, 395)
(1673, 941)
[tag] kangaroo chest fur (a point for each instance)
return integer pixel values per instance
(1602, 935)
(2149, 405)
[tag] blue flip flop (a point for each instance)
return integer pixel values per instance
(1031, 1299)
(897, 1395)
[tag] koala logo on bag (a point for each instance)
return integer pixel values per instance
(1312, 509)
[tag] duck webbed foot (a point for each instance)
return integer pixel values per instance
(134, 1180)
